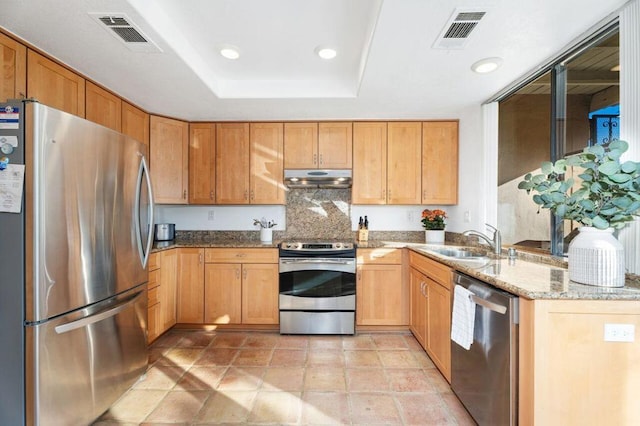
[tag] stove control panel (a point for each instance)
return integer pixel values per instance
(311, 246)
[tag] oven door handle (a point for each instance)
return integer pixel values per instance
(317, 261)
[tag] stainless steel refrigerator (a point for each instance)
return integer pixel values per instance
(74, 242)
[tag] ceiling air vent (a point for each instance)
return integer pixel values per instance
(458, 28)
(121, 27)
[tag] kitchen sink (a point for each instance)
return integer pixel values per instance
(456, 252)
(459, 254)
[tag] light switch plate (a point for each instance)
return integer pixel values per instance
(619, 332)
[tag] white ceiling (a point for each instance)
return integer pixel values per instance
(386, 65)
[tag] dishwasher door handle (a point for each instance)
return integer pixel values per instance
(489, 305)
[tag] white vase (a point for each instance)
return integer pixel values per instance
(432, 236)
(596, 258)
(266, 235)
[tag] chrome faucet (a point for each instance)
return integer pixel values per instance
(495, 242)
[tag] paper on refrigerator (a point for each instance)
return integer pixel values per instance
(11, 185)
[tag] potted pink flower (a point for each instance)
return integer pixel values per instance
(433, 224)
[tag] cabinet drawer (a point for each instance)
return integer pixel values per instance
(154, 261)
(248, 255)
(388, 256)
(154, 279)
(153, 295)
(435, 270)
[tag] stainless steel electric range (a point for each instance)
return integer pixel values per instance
(317, 287)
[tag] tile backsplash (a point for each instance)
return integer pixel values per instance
(319, 214)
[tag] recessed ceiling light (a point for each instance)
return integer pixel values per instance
(486, 65)
(230, 52)
(326, 52)
(615, 68)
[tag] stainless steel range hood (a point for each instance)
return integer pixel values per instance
(315, 178)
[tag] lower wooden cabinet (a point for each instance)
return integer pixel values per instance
(223, 293)
(161, 292)
(153, 296)
(228, 286)
(241, 286)
(382, 293)
(190, 306)
(569, 373)
(168, 282)
(430, 283)
(260, 294)
(418, 293)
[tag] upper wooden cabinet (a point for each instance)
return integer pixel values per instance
(335, 145)
(135, 123)
(249, 163)
(267, 159)
(318, 145)
(404, 141)
(369, 163)
(440, 162)
(13, 63)
(54, 85)
(202, 163)
(387, 163)
(103, 107)
(300, 145)
(169, 146)
(232, 163)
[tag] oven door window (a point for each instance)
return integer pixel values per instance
(316, 283)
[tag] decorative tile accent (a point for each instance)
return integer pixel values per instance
(319, 214)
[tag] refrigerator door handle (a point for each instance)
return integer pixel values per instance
(98, 316)
(144, 252)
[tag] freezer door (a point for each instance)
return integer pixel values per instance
(78, 365)
(88, 212)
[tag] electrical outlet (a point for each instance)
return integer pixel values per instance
(467, 216)
(410, 216)
(619, 332)
(211, 215)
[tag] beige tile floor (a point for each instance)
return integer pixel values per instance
(199, 377)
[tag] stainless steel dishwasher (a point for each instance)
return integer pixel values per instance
(485, 377)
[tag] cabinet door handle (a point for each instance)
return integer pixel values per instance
(315, 159)
(321, 159)
(200, 258)
(244, 274)
(184, 194)
(246, 195)
(253, 195)
(424, 194)
(237, 274)
(211, 195)
(423, 287)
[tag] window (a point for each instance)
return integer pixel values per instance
(572, 104)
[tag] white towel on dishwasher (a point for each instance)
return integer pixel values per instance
(464, 313)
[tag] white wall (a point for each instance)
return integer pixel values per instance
(219, 218)
(471, 183)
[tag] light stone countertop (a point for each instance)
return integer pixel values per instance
(532, 280)
(525, 278)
